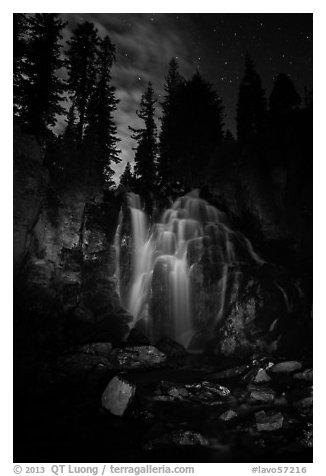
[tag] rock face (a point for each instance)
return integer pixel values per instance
(117, 396)
(260, 315)
(30, 185)
(64, 256)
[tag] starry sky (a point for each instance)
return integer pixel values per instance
(214, 43)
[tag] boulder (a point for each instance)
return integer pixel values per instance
(262, 394)
(138, 357)
(304, 403)
(286, 367)
(175, 439)
(261, 376)
(118, 396)
(306, 375)
(204, 393)
(228, 415)
(95, 348)
(269, 421)
(188, 438)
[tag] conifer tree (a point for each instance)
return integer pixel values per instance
(146, 138)
(284, 96)
(41, 91)
(126, 179)
(201, 131)
(100, 129)
(251, 107)
(284, 119)
(81, 65)
(169, 135)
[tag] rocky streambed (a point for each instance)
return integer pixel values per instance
(141, 403)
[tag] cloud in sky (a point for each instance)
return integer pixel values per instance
(144, 47)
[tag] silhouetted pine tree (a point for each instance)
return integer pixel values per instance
(70, 133)
(146, 149)
(284, 104)
(126, 179)
(81, 65)
(284, 96)
(41, 91)
(201, 131)
(251, 107)
(169, 135)
(100, 130)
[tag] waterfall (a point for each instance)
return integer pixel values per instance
(165, 265)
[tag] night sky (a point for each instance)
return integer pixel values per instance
(213, 43)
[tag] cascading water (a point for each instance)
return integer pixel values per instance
(166, 261)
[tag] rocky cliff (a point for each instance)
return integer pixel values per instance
(64, 256)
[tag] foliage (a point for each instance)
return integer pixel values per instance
(146, 148)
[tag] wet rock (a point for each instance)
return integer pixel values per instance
(228, 415)
(286, 367)
(304, 403)
(178, 392)
(95, 348)
(118, 396)
(137, 357)
(269, 421)
(176, 438)
(188, 438)
(307, 438)
(216, 389)
(261, 376)
(261, 394)
(306, 375)
(205, 393)
(171, 348)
